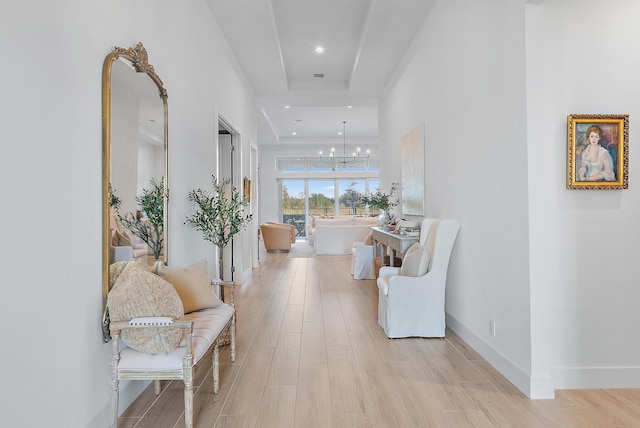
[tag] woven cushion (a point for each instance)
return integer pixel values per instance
(139, 293)
(192, 284)
(123, 267)
(115, 269)
(416, 261)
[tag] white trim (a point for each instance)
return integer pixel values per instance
(534, 388)
(596, 377)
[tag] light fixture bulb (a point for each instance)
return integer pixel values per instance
(319, 49)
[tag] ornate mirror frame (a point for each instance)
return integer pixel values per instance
(138, 59)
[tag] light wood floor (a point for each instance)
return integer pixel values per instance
(310, 353)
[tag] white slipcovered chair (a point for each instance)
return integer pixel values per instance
(413, 306)
(362, 264)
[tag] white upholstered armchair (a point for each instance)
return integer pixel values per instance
(413, 306)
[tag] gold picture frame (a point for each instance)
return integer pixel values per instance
(597, 151)
(246, 190)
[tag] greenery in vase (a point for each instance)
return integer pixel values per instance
(149, 229)
(381, 200)
(219, 215)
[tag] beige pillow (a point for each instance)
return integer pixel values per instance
(121, 239)
(192, 284)
(368, 240)
(139, 293)
(415, 261)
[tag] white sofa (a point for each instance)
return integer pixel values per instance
(336, 235)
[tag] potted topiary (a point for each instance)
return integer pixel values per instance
(150, 227)
(219, 215)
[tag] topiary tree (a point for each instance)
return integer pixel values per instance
(219, 215)
(149, 229)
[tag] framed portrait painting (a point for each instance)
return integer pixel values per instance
(597, 151)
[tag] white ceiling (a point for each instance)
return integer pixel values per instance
(274, 42)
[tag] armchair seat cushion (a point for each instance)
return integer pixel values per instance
(207, 326)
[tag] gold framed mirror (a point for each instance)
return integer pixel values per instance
(134, 164)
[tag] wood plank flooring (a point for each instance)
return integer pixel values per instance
(310, 354)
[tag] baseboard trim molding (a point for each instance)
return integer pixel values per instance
(596, 377)
(534, 388)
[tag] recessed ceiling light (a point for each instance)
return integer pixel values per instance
(319, 49)
(349, 106)
(294, 133)
(287, 106)
(340, 133)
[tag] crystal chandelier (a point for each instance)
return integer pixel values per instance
(338, 162)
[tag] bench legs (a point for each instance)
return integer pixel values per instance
(233, 337)
(216, 367)
(188, 403)
(113, 381)
(114, 403)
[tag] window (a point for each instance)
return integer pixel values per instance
(315, 164)
(349, 201)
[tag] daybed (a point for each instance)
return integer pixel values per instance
(163, 324)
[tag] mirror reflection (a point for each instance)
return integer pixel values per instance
(137, 166)
(135, 163)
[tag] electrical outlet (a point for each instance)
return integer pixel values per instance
(492, 327)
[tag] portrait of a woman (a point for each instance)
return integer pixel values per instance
(595, 162)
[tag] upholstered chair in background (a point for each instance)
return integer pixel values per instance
(362, 263)
(411, 297)
(278, 237)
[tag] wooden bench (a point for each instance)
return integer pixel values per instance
(202, 333)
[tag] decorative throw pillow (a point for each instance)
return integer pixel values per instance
(368, 240)
(121, 239)
(115, 269)
(192, 284)
(138, 293)
(416, 261)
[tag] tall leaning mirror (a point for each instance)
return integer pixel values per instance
(134, 165)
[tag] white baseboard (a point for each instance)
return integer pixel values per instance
(534, 388)
(596, 377)
(129, 391)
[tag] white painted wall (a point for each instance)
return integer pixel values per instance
(464, 78)
(50, 181)
(587, 61)
(553, 267)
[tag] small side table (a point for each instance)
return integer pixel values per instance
(394, 241)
